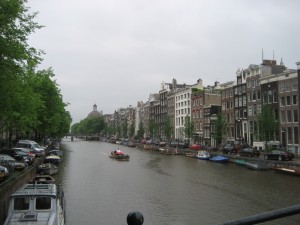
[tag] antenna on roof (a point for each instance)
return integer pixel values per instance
(273, 54)
(262, 55)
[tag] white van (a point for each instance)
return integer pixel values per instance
(32, 145)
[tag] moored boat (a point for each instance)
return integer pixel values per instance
(219, 158)
(47, 168)
(240, 162)
(191, 154)
(37, 204)
(204, 155)
(53, 159)
(290, 171)
(43, 179)
(257, 165)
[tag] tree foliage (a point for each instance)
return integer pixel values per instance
(89, 126)
(30, 100)
(188, 127)
(267, 124)
(168, 128)
(141, 131)
(220, 128)
(152, 128)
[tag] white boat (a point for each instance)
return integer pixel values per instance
(47, 168)
(43, 179)
(54, 159)
(204, 155)
(37, 204)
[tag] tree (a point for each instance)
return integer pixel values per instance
(267, 124)
(131, 130)
(125, 129)
(188, 127)
(220, 128)
(168, 128)
(141, 131)
(152, 127)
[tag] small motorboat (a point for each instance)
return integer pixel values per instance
(290, 171)
(219, 158)
(53, 159)
(257, 165)
(191, 154)
(119, 155)
(47, 168)
(43, 179)
(240, 162)
(204, 155)
(56, 152)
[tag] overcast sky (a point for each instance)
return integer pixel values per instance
(117, 52)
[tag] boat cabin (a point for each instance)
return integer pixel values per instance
(39, 203)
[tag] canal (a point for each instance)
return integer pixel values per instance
(168, 190)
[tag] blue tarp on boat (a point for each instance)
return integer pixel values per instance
(219, 158)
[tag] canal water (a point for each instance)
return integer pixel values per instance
(167, 190)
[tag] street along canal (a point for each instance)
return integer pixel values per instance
(166, 189)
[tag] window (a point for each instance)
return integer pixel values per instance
(21, 203)
(275, 96)
(288, 86)
(258, 94)
(295, 86)
(295, 100)
(249, 97)
(288, 100)
(43, 203)
(270, 96)
(254, 95)
(295, 112)
(249, 84)
(281, 87)
(282, 101)
(250, 110)
(245, 113)
(244, 100)
(289, 116)
(282, 115)
(296, 136)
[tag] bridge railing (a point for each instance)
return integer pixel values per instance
(136, 218)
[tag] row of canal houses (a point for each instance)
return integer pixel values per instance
(240, 101)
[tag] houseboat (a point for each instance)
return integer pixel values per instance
(37, 204)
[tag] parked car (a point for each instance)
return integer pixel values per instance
(32, 145)
(249, 152)
(229, 149)
(195, 147)
(279, 155)
(10, 163)
(18, 155)
(29, 152)
(3, 173)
